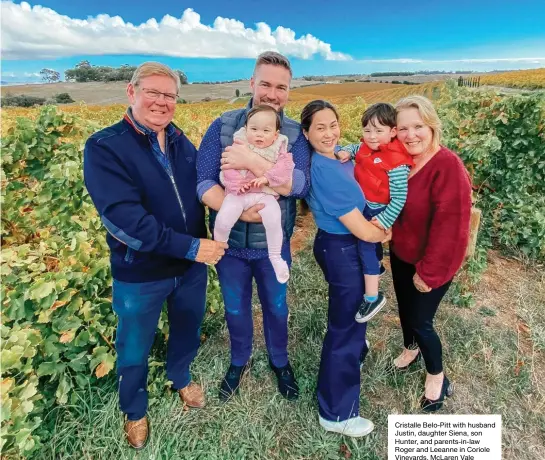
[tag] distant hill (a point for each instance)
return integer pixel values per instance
(115, 92)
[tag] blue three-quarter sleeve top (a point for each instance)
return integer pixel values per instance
(333, 192)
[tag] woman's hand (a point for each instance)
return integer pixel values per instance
(210, 251)
(377, 224)
(420, 284)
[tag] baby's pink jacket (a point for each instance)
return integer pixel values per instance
(279, 174)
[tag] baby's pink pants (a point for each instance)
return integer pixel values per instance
(230, 211)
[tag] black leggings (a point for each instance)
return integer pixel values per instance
(416, 313)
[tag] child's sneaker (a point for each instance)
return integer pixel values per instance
(370, 309)
(382, 270)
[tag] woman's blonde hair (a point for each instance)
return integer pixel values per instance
(147, 69)
(427, 113)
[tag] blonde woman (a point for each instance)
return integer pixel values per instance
(429, 241)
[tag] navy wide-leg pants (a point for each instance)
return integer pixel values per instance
(344, 342)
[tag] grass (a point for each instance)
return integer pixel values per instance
(494, 354)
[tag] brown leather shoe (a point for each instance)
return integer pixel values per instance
(192, 396)
(137, 432)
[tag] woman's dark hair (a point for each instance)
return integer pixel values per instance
(311, 108)
(306, 120)
(384, 113)
(263, 108)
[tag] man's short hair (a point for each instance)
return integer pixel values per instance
(273, 58)
(382, 112)
(149, 68)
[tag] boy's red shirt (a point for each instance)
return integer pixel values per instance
(372, 166)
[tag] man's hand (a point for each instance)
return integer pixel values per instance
(343, 156)
(210, 251)
(251, 215)
(420, 284)
(237, 156)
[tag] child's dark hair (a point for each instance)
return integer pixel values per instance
(311, 108)
(384, 113)
(263, 108)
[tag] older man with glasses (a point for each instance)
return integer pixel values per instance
(141, 175)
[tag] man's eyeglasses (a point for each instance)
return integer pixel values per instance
(154, 95)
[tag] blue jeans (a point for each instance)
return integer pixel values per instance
(370, 253)
(138, 307)
(344, 342)
(235, 276)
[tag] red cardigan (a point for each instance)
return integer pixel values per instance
(432, 231)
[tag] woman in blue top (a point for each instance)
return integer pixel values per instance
(337, 202)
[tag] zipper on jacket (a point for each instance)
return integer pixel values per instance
(179, 199)
(169, 171)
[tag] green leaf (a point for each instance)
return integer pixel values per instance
(47, 368)
(41, 289)
(65, 385)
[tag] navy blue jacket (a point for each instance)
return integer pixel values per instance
(146, 200)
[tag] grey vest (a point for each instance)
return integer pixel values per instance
(252, 236)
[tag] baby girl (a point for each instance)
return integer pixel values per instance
(243, 189)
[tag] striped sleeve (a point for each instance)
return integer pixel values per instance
(352, 149)
(398, 181)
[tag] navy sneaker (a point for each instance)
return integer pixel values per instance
(369, 309)
(231, 381)
(382, 270)
(287, 385)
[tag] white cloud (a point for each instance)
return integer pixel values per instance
(38, 32)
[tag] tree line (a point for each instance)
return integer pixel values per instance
(85, 72)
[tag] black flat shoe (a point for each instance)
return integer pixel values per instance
(406, 368)
(432, 405)
(287, 384)
(231, 382)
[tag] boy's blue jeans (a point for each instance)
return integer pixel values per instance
(235, 276)
(370, 253)
(138, 306)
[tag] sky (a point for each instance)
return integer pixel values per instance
(219, 40)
